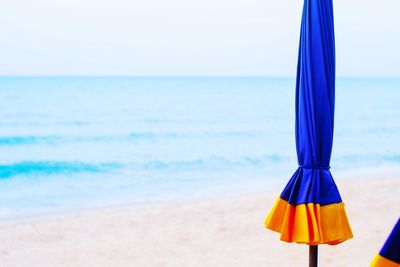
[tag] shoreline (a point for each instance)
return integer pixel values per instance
(253, 187)
(221, 231)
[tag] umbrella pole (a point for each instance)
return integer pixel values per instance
(313, 256)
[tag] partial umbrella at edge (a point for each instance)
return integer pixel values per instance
(389, 256)
(310, 209)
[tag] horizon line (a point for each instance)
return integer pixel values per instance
(189, 76)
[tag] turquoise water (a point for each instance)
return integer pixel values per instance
(70, 143)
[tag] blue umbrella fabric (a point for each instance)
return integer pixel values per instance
(310, 209)
(389, 256)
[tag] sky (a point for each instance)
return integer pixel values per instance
(188, 38)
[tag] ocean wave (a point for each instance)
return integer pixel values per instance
(392, 158)
(44, 123)
(51, 139)
(151, 135)
(209, 163)
(47, 168)
(26, 140)
(55, 139)
(53, 167)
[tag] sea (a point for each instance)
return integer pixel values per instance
(70, 143)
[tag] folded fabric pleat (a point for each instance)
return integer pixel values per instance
(380, 261)
(310, 224)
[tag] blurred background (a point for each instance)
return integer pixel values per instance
(107, 103)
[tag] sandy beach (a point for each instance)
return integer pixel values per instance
(212, 232)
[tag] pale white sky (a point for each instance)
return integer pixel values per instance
(188, 37)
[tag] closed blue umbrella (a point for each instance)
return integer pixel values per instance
(389, 256)
(310, 209)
